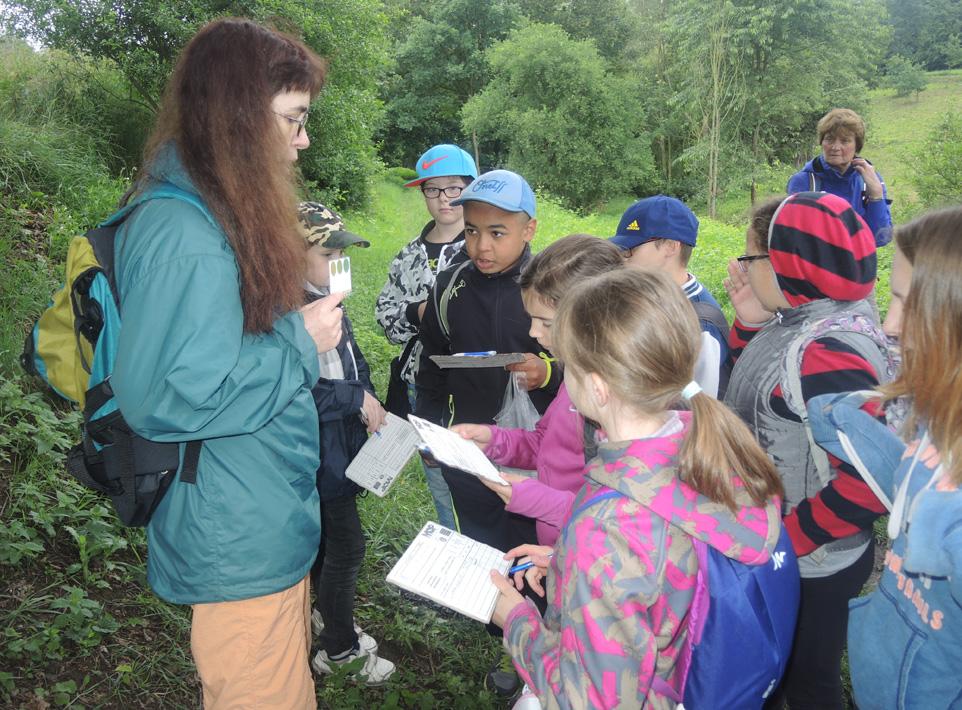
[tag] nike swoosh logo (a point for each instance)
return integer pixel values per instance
(425, 164)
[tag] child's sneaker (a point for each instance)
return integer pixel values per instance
(374, 671)
(503, 679)
(366, 642)
(527, 701)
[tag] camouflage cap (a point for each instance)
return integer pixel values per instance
(322, 225)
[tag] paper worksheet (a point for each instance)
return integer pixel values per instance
(449, 448)
(452, 570)
(493, 360)
(383, 456)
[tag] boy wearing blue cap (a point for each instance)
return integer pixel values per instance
(443, 172)
(477, 306)
(660, 233)
(483, 311)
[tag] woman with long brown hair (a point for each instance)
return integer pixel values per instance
(214, 349)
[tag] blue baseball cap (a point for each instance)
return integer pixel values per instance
(443, 161)
(658, 217)
(501, 188)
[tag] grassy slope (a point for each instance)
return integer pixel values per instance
(897, 129)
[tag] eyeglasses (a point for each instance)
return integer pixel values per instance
(451, 191)
(627, 253)
(299, 122)
(746, 258)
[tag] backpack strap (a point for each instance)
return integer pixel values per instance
(188, 470)
(710, 313)
(697, 616)
(102, 239)
(441, 305)
(792, 371)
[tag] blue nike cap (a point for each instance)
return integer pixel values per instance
(443, 161)
(501, 188)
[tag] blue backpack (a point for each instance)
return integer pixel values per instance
(741, 626)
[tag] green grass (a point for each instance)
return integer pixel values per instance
(897, 129)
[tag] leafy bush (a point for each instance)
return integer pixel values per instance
(570, 126)
(938, 175)
(90, 96)
(905, 77)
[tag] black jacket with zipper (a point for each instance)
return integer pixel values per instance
(485, 312)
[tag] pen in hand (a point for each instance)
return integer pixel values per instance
(364, 419)
(525, 565)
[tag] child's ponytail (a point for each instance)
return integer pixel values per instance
(718, 445)
(638, 331)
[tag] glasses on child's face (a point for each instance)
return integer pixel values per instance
(299, 122)
(749, 258)
(451, 191)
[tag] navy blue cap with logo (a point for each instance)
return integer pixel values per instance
(658, 217)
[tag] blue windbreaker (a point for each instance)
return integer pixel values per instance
(849, 187)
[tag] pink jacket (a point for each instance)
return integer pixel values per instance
(556, 450)
(621, 581)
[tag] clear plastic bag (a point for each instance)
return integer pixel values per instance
(517, 409)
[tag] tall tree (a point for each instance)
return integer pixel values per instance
(569, 124)
(439, 65)
(928, 32)
(610, 23)
(755, 75)
(702, 33)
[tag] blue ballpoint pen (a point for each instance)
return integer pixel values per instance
(477, 353)
(525, 565)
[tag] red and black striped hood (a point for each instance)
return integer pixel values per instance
(821, 248)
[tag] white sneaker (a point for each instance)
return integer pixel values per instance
(366, 642)
(375, 670)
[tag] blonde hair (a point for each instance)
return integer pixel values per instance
(932, 335)
(551, 271)
(842, 119)
(638, 332)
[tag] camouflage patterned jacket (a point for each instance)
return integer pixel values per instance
(622, 578)
(409, 281)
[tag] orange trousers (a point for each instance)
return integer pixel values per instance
(253, 653)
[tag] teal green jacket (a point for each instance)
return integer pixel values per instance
(186, 370)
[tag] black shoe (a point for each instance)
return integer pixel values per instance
(503, 679)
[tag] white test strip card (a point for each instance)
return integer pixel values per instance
(341, 275)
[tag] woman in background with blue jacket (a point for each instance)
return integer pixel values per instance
(839, 170)
(905, 638)
(214, 348)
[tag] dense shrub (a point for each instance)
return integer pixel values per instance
(91, 96)
(570, 125)
(939, 164)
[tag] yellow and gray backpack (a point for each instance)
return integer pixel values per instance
(72, 348)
